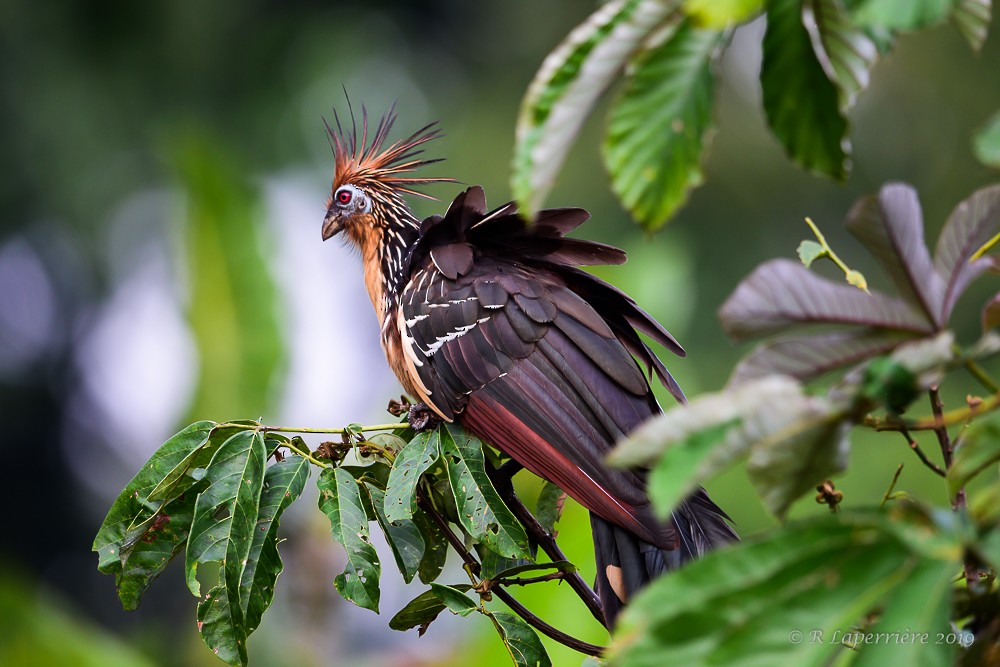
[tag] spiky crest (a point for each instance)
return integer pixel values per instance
(376, 166)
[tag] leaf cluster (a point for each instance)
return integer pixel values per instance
(817, 58)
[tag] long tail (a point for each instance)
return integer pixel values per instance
(625, 563)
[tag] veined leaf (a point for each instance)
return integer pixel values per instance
(563, 566)
(846, 52)
(891, 226)
(986, 143)
(283, 484)
(972, 17)
(222, 531)
(404, 536)
(454, 599)
(523, 644)
(567, 86)
(480, 510)
(340, 501)
(921, 603)
(899, 14)
(421, 610)
(801, 103)
(410, 463)
(492, 563)
(551, 500)
(973, 222)
(782, 294)
(657, 128)
(435, 548)
(131, 507)
(177, 480)
(806, 357)
(737, 605)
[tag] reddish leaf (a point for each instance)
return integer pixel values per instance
(991, 313)
(973, 222)
(892, 228)
(782, 294)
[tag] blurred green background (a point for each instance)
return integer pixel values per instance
(164, 183)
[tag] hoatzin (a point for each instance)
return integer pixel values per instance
(487, 319)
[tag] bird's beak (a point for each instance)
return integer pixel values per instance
(332, 225)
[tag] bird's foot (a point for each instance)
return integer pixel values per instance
(422, 418)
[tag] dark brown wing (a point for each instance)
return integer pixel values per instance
(525, 363)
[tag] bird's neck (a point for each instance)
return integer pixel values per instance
(385, 265)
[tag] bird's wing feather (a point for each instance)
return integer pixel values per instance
(528, 365)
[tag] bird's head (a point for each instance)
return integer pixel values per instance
(370, 180)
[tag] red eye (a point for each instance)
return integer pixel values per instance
(344, 197)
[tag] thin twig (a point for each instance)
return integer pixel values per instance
(524, 581)
(505, 489)
(911, 441)
(945, 419)
(298, 429)
(472, 565)
(940, 429)
(981, 375)
(892, 485)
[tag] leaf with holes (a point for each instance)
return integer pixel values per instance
(891, 226)
(480, 510)
(435, 548)
(404, 536)
(551, 500)
(523, 645)
(568, 85)
(410, 463)
(422, 610)
(972, 224)
(657, 129)
(222, 531)
(801, 103)
(846, 52)
(138, 538)
(283, 484)
(782, 294)
(340, 501)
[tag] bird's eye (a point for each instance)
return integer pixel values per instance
(344, 196)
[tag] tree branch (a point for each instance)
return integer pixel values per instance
(920, 453)
(502, 483)
(976, 407)
(473, 566)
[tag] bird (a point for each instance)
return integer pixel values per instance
(488, 319)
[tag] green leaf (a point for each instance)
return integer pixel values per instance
(794, 460)
(340, 501)
(568, 85)
(421, 610)
(846, 52)
(523, 644)
(899, 14)
(232, 305)
(222, 531)
(801, 103)
(676, 474)
(481, 512)
(179, 478)
(563, 566)
(283, 484)
(131, 508)
(435, 548)
(492, 563)
(551, 500)
(656, 132)
(978, 450)
(720, 14)
(744, 605)
(921, 604)
(986, 142)
(453, 598)
(809, 252)
(972, 18)
(404, 536)
(410, 463)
